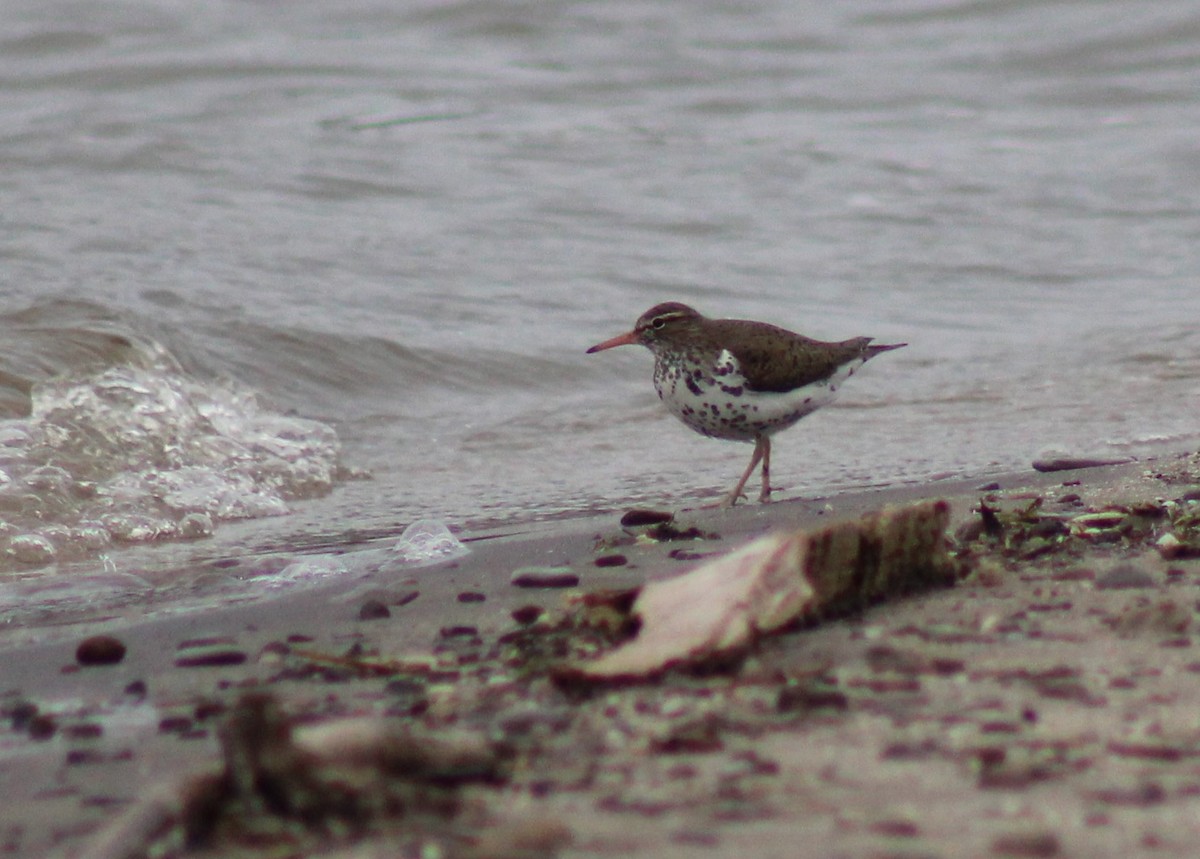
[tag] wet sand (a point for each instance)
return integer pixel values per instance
(1043, 706)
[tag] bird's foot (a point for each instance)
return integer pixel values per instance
(725, 503)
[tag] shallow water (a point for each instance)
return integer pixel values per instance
(316, 242)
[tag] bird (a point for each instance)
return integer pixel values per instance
(739, 379)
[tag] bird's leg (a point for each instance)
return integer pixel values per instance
(759, 448)
(766, 469)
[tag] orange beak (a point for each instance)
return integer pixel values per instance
(628, 339)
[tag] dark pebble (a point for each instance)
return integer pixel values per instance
(471, 596)
(299, 638)
(20, 714)
(988, 487)
(1068, 463)
(637, 518)
(527, 614)
(209, 656)
(458, 631)
(174, 724)
(406, 598)
(896, 828)
(84, 731)
(82, 757)
(209, 709)
(1124, 576)
(611, 561)
(100, 650)
(276, 648)
(42, 727)
(373, 610)
(136, 689)
(544, 577)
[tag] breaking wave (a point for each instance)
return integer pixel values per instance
(141, 451)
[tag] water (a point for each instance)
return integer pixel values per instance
(275, 274)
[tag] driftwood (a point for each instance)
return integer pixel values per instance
(719, 608)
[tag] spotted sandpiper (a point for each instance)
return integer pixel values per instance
(741, 380)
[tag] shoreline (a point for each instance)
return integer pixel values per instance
(1025, 711)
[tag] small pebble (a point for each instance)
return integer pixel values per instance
(471, 596)
(100, 650)
(1069, 463)
(458, 631)
(42, 727)
(373, 610)
(20, 714)
(209, 709)
(611, 561)
(544, 577)
(83, 731)
(174, 724)
(527, 614)
(208, 653)
(638, 517)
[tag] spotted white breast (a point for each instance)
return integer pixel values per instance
(717, 402)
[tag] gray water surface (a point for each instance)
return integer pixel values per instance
(403, 223)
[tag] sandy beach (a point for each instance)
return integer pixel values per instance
(1044, 705)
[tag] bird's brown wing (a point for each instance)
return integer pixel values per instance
(774, 359)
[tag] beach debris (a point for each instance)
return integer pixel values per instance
(657, 526)
(332, 782)
(719, 608)
(544, 577)
(1172, 547)
(1028, 530)
(425, 542)
(100, 650)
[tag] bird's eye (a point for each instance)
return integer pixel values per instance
(658, 324)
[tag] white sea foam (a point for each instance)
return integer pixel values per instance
(136, 454)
